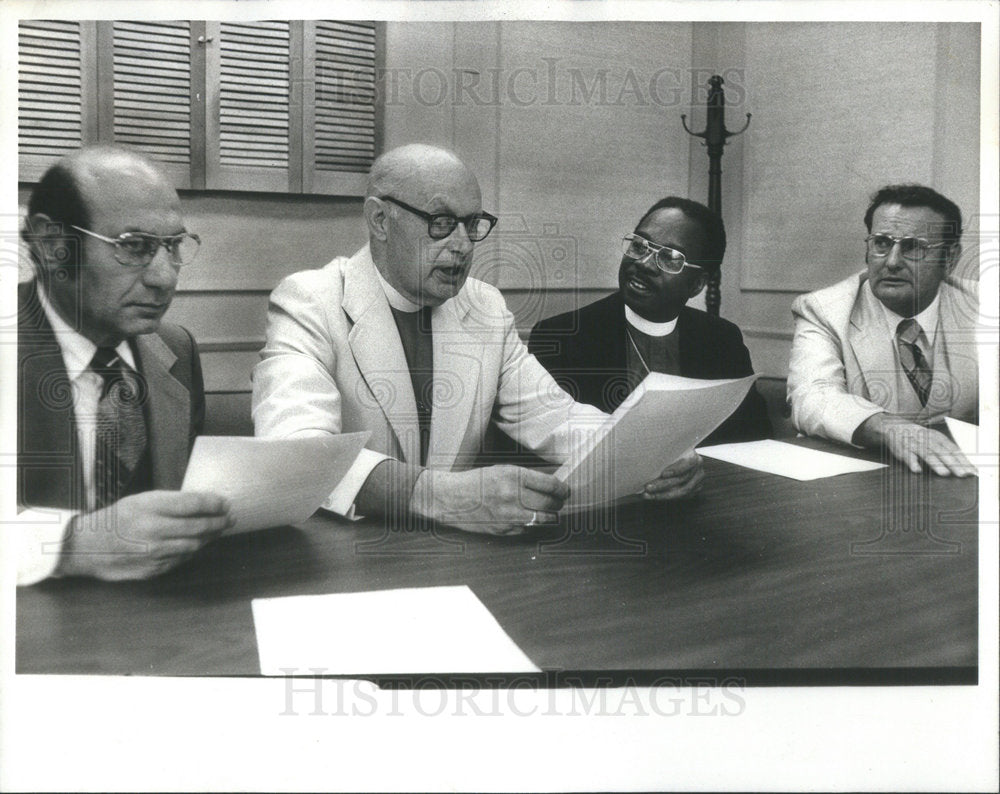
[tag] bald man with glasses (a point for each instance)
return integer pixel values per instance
(110, 399)
(399, 341)
(881, 358)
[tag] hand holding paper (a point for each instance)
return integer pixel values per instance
(271, 482)
(663, 419)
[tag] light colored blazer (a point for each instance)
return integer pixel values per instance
(333, 362)
(844, 365)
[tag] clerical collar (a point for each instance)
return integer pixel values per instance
(648, 327)
(396, 299)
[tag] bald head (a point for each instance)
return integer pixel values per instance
(66, 194)
(84, 204)
(429, 180)
(417, 170)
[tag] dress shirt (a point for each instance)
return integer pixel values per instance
(46, 528)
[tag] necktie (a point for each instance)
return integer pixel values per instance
(913, 361)
(121, 427)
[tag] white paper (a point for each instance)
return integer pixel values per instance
(413, 630)
(965, 434)
(787, 460)
(271, 482)
(662, 419)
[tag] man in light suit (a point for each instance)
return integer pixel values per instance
(397, 341)
(603, 351)
(109, 399)
(881, 356)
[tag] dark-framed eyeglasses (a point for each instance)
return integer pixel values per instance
(442, 224)
(911, 248)
(667, 259)
(138, 249)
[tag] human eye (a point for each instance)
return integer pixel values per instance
(138, 246)
(881, 243)
(442, 225)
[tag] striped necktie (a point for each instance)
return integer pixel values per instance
(913, 361)
(121, 427)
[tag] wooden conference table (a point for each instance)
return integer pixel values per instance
(868, 577)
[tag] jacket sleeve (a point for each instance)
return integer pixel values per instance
(531, 407)
(822, 404)
(294, 389)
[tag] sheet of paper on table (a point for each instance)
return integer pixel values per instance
(787, 460)
(271, 482)
(965, 434)
(662, 419)
(412, 630)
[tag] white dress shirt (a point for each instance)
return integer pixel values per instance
(42, 531)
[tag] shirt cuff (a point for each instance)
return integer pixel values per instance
(39, 537)
(341, 500)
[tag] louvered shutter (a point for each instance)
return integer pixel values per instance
(343, 140)
(253, 107)
(53, 116)
(152, 92)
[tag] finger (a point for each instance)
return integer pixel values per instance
(689, 462)
(532, 501)
(542, 483)
(659, 490)
(185, 504)
(202, 528)
(950, 463)
(540, 517)
(685, 480)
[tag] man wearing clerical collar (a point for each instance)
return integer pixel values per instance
(601, 352)
(399, 341)
(882, 357)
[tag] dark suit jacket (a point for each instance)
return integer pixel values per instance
(586, 351)
(49, 472)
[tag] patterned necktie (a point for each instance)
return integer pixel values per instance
(121, 427)
(913, 361)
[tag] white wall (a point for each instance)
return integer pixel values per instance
(574, 130)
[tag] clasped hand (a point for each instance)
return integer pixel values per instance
(503, 500)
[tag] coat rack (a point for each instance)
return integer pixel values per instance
(715, 136)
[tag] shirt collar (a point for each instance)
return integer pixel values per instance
(647, 326)
(77, 351)
(396, 299)
(927, 319)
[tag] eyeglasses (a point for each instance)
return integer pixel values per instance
(138, 249)
(668, 259)
(911, 248)
(442, 224)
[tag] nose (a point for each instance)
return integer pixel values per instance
(458, 240)
(162, 272)
(894, 259)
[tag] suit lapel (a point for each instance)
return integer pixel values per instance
(871, 340)
(48, 455)
(378, 351)
(458, 354)
(169, 414)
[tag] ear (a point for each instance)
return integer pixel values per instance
(698, 284)
(954, 253)
(376, 218)
(50, 245)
